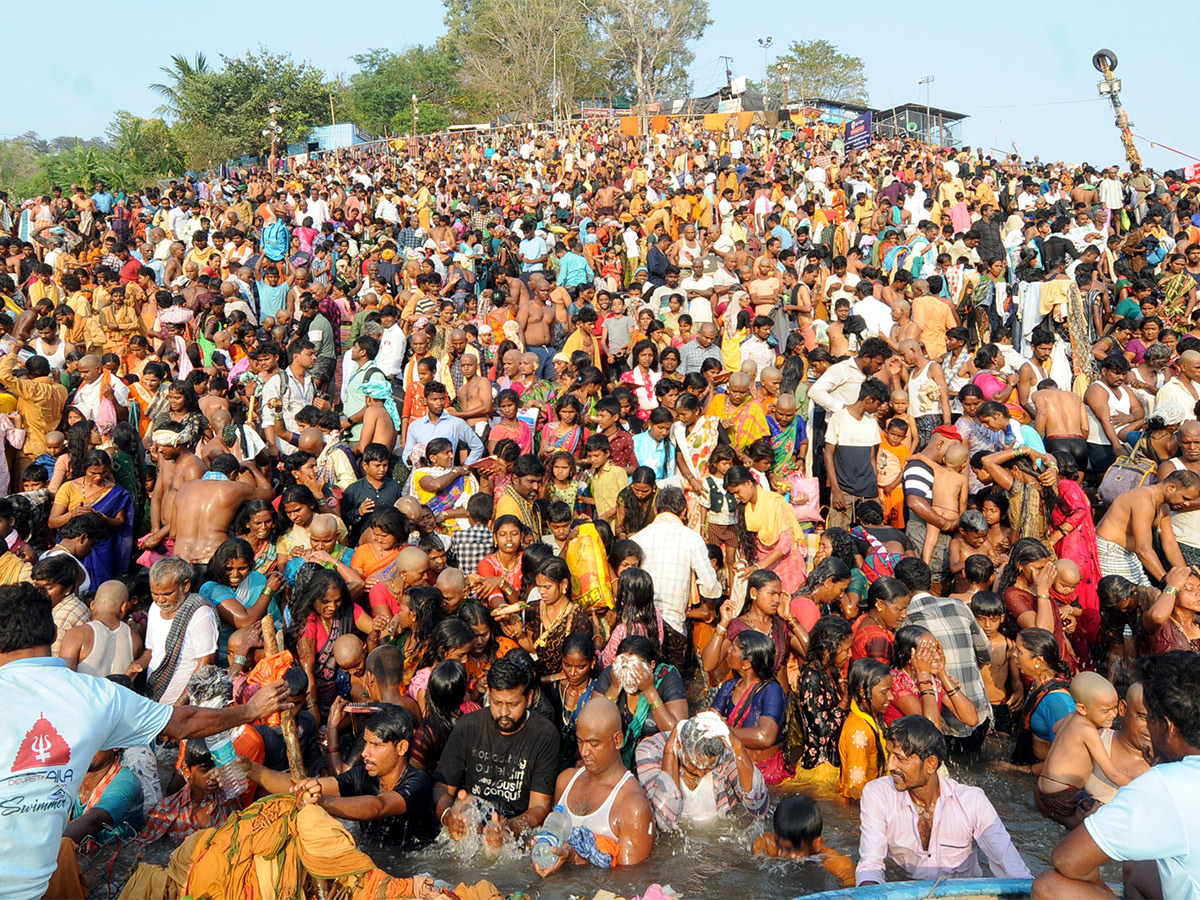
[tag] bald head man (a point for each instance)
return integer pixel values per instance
(412, 566)
(453, 585)
(312, 440)
(323, 525)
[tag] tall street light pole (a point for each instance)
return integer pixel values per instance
(927, 80)
(765, 43)
(1105, 61)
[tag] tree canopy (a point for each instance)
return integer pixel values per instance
(819, 69)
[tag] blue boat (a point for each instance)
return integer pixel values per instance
(964, 888)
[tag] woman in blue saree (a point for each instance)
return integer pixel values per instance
(239, 593)
(94, 490)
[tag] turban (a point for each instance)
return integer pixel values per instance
(167, 438)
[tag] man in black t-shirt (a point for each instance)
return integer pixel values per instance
(392, 798)
(501, 755)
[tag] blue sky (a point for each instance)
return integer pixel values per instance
(1011, 73)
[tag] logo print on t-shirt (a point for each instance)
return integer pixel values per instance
(42, 747)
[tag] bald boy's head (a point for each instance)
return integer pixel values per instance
(110, 597)
(1091, 689)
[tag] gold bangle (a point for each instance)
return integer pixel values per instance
(1172, 590)
(656, 704)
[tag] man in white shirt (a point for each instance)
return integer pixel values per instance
(838, 387)
(931, 827)
(876, 313)
(392, 343)
(699, 289)
(181, 630)
(55, 722)
(94, 390)
(674, 553)
(1151, 824)
(285, 392)
(386, 209)
(756, 348)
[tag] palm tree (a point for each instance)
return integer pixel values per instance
(180, 72)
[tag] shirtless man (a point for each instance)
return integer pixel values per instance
(377, 424)
(209, 402)
(1125, 536)
(603, 784)
(1036, 370)
(1061, 418)
(206, 510)
(176, 467)
(536, 321)
(475, 395)
(1076, 751)
(173, 267)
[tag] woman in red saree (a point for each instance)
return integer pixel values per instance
(1074, 537)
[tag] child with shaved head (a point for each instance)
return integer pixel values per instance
(1076, 750)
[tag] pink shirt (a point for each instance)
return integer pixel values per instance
(963, 820)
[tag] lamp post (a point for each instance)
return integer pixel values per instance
(1105, 61)
(927, 80)
(787, 75)
(273, 129)
(765, 43)
(416, 116)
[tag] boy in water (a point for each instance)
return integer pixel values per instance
(1076, 751)
(1001, 677)
(1129, 748)
(949, 495)
(797, 835)
(970, 540)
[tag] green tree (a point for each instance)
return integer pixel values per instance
(223, 113)
(818, 69)
(18, 167)
(382, 89)
(180, 73)
(511, 50)
(645, 43)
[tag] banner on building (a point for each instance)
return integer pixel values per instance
(596, 112)
(858, 132)
(730, 106)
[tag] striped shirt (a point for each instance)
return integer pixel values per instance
(918, 479)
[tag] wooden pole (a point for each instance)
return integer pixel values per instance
(291, 738)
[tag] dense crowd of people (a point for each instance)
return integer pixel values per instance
(571, 489)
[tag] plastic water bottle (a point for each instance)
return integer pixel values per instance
(549, 838)
(231, 773)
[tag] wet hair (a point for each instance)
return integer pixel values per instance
(886, 590)
(89, 524)
(906, 640)
(305, 598)
(759, 650)
(639, 646)
(635, 603)
(392, 522)
(824, 639)
(869, 512)
(386, 665)
(392, 724)
(798, 820)
(60, 569)
(827, 570)
(865, 675)
(1024, 552)
(247, 511)
(448, 682)
(1042, 644)
(233, 548)
(978, 569)
(448, 634)
(507, 674)
(26, 619)
(843, 545)
(987, 603)
(919, 737)
(1171, 688)
(915, 573)
(972, 520)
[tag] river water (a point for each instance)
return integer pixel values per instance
(716, 864)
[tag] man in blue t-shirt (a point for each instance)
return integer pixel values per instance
(1151, 824)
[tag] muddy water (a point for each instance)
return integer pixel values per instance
(717, 864)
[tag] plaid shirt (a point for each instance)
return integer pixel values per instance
(966, 648)
(667, 799)
(472, 545)
(410, 238)
(692, 356)
(70, 611)
(673, 553)
(175, 816)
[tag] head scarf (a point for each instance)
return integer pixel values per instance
(381, 390)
